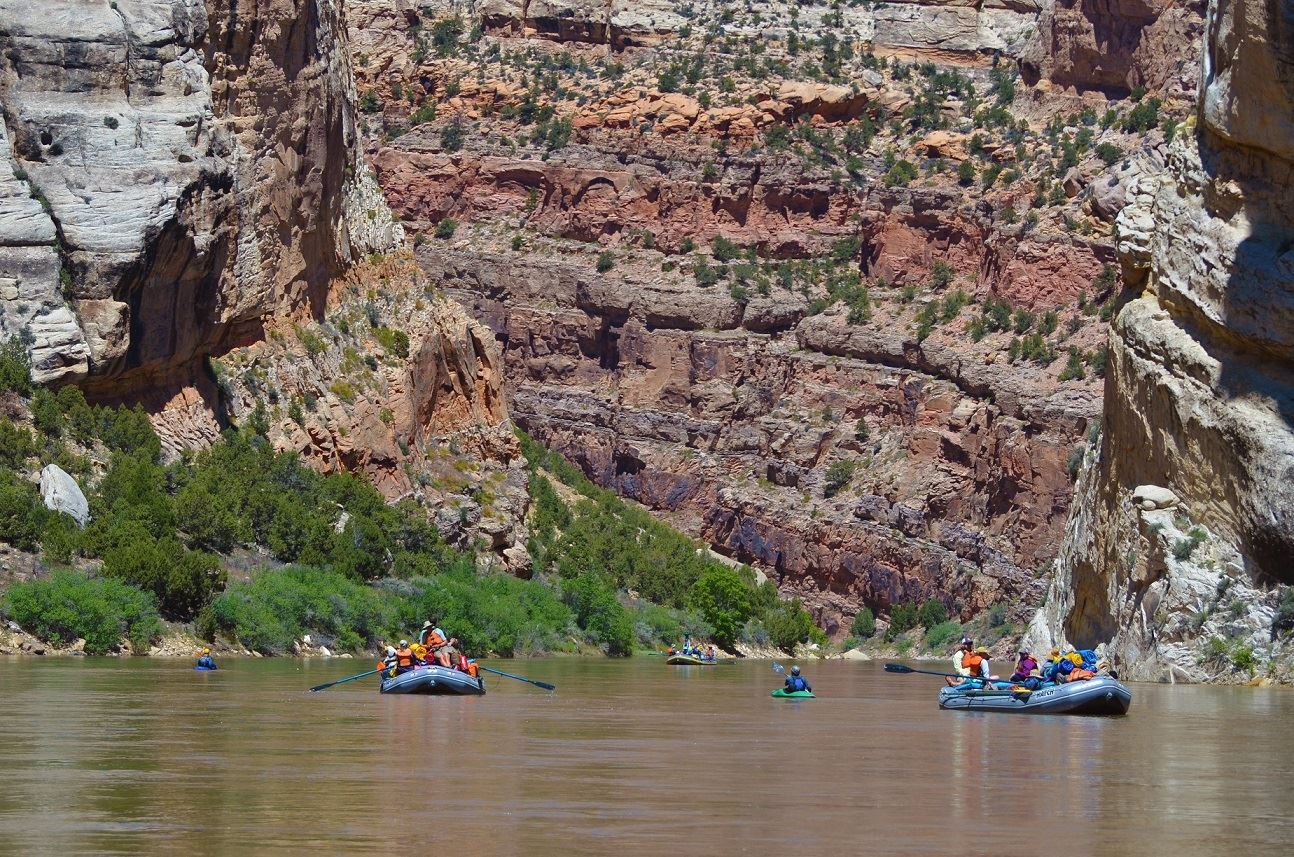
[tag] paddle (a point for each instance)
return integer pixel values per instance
(320, 687)
(545, 685)
(778, 668)
(900, 668)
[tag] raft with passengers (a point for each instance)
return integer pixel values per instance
(689, 655)
(1075, 682)
(431, 666)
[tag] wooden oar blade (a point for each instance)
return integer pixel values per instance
(898, 668)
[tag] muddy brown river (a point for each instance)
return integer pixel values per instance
(107, 756)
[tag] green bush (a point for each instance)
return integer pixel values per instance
(182, 580)
(864, 625)
(939, 636)
(446, 227)
(1283, 618)
(69, 606)
(789, 624)
(598, 611)
(501, 614)
(839, 475)
(46, 414)
(724, 599)
(932, 613)
(394, 341)
(22, 514)
(996, 615)
(606, 261)
(16, 445)
(275, 608)
(903, 617)
(15, 367)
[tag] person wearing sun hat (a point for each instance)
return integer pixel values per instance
(985, 670)
(1026, 666)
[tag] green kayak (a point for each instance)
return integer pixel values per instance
(781, 693)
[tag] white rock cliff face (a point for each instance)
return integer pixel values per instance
(1200, 395)
(153, 209)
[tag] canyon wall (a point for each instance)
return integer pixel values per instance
(172, 174)
(187, 222)
(735, 409)
(1184, 530)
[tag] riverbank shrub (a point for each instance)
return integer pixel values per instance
(489, 614)
(940, 635)
(277, 607)
(932, 613)
(724, 599)
(70, 606)
(903, 617)
(864, 627)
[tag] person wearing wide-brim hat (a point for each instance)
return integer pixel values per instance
(985, 670)
(1025, 666)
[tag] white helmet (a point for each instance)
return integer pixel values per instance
(404, 643)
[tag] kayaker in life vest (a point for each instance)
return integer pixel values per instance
(795, 681)
(204, 660)
(403, 657)
(959, 656)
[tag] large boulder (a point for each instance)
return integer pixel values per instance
(61, 494)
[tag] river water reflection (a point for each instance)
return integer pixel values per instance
(104, 756)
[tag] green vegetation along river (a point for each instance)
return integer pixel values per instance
(145, 756)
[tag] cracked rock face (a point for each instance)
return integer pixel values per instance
(1200, 397)
(156, 209)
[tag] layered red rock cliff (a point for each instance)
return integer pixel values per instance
(725, 408)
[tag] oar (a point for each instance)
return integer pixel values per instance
(900, 668)
(545, 685)
(320, 687)
(778, 668)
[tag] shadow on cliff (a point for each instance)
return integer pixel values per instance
(1257, 365)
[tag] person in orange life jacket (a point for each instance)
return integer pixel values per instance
(439, 648)
(431, 636)
(795, 681)
(403, 657)
(976, 665)
(964, 648)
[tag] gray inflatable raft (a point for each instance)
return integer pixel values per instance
(434, 680)
(1101, 696)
